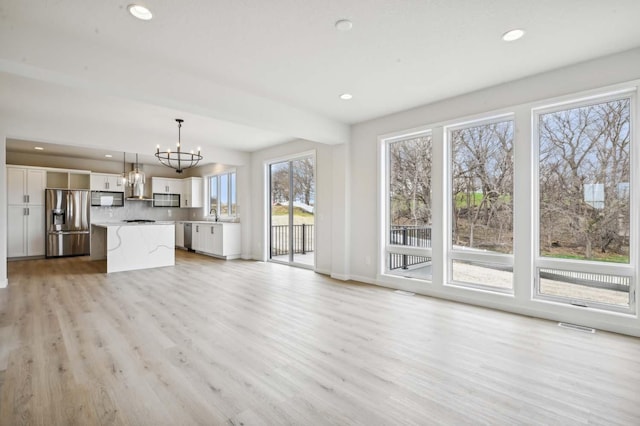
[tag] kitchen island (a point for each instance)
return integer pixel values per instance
(129, 246)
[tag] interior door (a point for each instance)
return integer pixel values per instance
(292, 212)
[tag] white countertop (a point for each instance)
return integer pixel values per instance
(209, 222)
(110, 224)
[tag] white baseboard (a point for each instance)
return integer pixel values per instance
(340, 277)
(364, 279)
(322, 271)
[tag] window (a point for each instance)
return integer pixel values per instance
(408, 242)
(222, 195)
(584, 203)
(481, 200)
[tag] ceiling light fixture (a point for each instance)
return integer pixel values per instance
(346, 96)
(140, 12)
(38, 148)
(343, 25)
(108, 155)
(513, 35)
(179, 159)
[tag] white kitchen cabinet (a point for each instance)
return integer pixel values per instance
(25, 185)
(166, 185)
(180, 234)
(217, 239)
(36, 235)
(16, 231)
(107, 182)
(25, 211)
(198, 237)
(192, 191)
(212, 240)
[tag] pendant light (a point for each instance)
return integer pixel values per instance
(136, 177)
(124, 169)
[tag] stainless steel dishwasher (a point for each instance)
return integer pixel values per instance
(187, 235)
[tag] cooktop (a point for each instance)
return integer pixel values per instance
(139, 221)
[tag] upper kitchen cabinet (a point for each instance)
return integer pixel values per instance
(25, 185)
(191, 192)
(166, 185)
(107, 182)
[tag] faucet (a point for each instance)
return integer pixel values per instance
(214, 212)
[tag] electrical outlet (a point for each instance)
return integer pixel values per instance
(169, 212)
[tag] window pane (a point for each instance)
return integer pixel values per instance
(410, 192)
(409, 266)
(584, 182)
(482, 274)
(234, 208)
(602, 288)
(224, 194)
(213, 195)
(482, 186)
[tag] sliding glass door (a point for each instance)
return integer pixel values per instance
(292, 212)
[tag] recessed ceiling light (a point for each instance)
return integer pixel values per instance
(344, 25)
(108, 155)
(39, 148)
(513, 35)
(140, 12)
(346, 96)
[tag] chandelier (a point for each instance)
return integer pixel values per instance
(178, 159)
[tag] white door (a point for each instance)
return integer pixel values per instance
(217, 244)
(35, 231)
(16, 190)
(292, 207)
(36, 182)
(16, 231)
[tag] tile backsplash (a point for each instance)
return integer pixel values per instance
(140, 210)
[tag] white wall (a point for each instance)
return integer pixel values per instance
(329, 184)
(3, 211)
(514, 96)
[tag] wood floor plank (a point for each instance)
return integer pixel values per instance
(239, 342)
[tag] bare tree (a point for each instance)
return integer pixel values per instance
(303, 180)
(482, 177)
(584, 178)
(280, 182)
(410, 181)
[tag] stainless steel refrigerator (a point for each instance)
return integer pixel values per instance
(68, 222)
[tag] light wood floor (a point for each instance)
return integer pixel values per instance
(212, 342)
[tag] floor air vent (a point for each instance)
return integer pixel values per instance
(577, 327)
(404, 293)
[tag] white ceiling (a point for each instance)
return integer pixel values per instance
(246, 74)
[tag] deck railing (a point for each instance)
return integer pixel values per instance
(303, 242)
(413, 236)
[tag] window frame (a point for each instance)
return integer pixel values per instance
(451, 254)
(231, 195)
(387, 247)
(587, 266)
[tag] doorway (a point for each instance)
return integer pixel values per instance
(292, 211)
